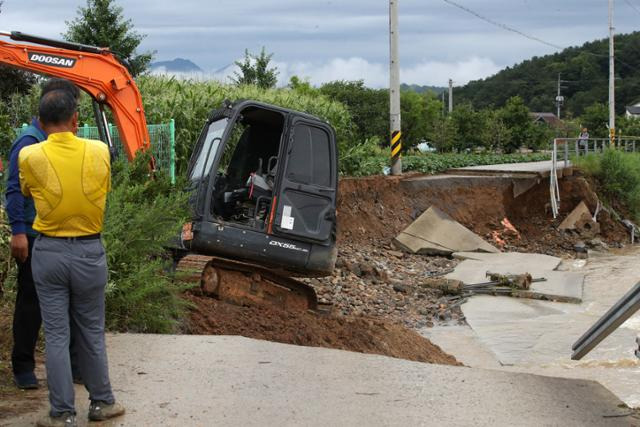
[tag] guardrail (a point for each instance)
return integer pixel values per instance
(581, 147)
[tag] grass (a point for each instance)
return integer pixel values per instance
(432, 163)
(618, 177)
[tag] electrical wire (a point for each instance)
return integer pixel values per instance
(501, 25)
(632, 6)
(530, 37)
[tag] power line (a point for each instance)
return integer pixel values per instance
(632, 6)
(537, 39)
(501, 25)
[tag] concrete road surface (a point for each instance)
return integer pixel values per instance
(541, 168)
(234, 381)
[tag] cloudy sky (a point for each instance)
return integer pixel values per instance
(325, 40)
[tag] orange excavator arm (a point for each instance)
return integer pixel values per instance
(95, 70)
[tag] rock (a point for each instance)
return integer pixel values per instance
(598, 244)
(365, 269)
(398, 287)
(353, 268)
(580, 247)
(396, 254)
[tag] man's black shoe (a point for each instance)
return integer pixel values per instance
(26, 380)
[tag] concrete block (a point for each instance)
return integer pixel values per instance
(436, 233)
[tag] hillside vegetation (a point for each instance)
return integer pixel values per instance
(585, 68)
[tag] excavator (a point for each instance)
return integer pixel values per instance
(262, 179)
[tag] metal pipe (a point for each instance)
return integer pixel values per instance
(626, 307)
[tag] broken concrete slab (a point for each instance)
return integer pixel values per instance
(522, 185)
(581, 220)
(562, 286)
(436, 233)
(569, 222)
(518, 331)
(540, 261)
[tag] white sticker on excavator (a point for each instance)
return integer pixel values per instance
(287, 219)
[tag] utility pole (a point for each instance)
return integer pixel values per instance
(612, 94)
(450, 96)
(559, 98)
(394, 90)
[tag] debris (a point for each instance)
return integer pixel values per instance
(633, 229)
(516, 281)
(436, 233)
(564, 286)
(509, 229)
(581, 220)
(396, 254)
(580, 247)
(400, 288)
(495, 235)
(597, 244)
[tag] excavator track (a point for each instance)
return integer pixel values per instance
(244, 283)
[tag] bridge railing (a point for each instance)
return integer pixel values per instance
(582, 147)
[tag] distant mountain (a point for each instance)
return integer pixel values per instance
(421, 89)
(584, 72)
(179, 65)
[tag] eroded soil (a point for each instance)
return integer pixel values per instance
(360, 334)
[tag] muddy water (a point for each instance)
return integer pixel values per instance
(536, 336)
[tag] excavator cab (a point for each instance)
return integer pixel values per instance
(263, 182)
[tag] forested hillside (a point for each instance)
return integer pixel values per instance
(585, 69)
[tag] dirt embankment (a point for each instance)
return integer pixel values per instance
(377, 208)
(361, 334)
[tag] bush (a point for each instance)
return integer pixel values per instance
(142, 215)
(618, 175)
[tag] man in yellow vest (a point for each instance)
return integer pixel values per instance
(68, 179)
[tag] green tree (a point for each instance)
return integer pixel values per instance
(515, 116)
(368, 107)
(254, 70)
(13, 80)
(595, 118)
(470, 125)
(102, 23)
(496, 132)
(301, 86)
(413, 109)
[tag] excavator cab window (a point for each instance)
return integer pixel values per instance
(247, 168)
(208, 149)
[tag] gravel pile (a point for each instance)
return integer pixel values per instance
(382, 282)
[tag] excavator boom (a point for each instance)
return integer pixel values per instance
(95, 70)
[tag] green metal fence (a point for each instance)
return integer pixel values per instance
(163, 143)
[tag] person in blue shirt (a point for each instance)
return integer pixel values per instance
(21, 212)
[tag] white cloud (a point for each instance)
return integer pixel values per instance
(432, 73)
(218, 75)
(375, 75)
(438, 73)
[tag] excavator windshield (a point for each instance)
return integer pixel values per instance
(208, 149)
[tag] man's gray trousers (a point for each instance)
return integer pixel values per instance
(70, 276)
